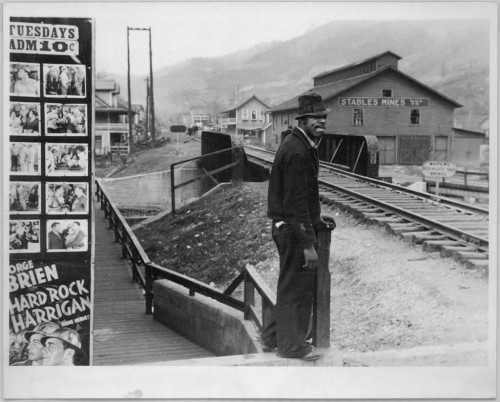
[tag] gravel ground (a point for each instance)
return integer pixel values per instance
(388, 295)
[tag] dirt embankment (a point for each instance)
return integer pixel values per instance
(386, 294)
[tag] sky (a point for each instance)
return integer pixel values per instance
(183, 30)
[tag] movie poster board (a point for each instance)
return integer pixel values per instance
(50, 215)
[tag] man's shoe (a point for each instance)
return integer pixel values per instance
(311, 356)
(266, 348)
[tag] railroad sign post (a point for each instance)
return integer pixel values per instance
(438, 170)
(177, 130)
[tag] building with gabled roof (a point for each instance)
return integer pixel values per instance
(249, 118)
(412, 121)
(111, 119)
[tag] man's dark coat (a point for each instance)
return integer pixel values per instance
(293, 187)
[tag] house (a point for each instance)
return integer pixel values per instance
(111, 119)
(412, 121)
(201, 117)
(249, 118)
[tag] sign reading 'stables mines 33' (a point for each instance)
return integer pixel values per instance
(438, 169)
(50, 209)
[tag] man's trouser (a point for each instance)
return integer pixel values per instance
(289, 326)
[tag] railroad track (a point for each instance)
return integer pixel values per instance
(452, 228)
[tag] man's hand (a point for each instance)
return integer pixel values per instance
(311, 258)
(329, 222)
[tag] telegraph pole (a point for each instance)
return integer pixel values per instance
(153, 131)
(129, 95)
(147, 106)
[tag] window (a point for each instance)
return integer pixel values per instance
(254, 114)
(98, 142)
(261, 115)
(415, 116)
(387, 93)
(357, 118)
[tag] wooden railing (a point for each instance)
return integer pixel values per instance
(146, 272)
(236, 161)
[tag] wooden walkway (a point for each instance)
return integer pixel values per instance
(123, 333)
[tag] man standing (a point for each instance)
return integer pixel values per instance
(63, 80)
(294, 207)
(80, 202)
(55, 239)
(31, 158)
(35, 347)
(62, 348)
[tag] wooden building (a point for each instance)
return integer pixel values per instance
(412, 121)
(111, 119)
(249, 118)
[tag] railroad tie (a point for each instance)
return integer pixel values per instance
(420, 237)
(464, 256)
(398, 228)
(449, 251)
(435, 245)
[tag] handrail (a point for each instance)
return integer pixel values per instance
(173, 187)
(132, 249)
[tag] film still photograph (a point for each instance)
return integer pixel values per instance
(24, 79)
(61, 80)
(24, 236)
(24, 197)
(67, 198)
(67, 235)
(24, 118)
(65, 120)
(66, 159)
(25, 158)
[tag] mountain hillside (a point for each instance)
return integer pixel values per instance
(451, 56)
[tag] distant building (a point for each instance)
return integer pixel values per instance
(201, 117)
(111, 119)
(249, 118)
(412, 121)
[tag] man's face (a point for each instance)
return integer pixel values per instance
(35, 348)
(53, 353)
(315, 125)
(57, 228)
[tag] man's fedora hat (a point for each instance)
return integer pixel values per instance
(69, 337)
(45, 328)
(312, 105)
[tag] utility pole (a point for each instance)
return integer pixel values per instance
(129, 95)
(153, 134)
(153, 131)
(147, 105)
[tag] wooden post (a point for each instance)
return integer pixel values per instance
(248, 296)
(322, 298)
(238, 155)
(149, 289)
(172, 188)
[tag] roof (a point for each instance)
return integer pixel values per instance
(240, 104)
(102, 106)
(333, 89)
(106, 85)
(465, 131)
(356, 63)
